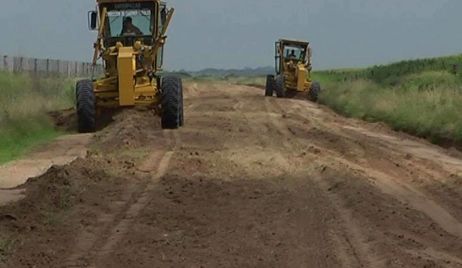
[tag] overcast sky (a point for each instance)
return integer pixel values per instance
(241, 33)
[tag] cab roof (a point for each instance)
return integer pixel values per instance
(294, 42)
(124, 1)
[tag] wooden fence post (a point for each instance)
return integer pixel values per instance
(48, 66)
(15, 64)
(21, 63)
(35, 66)
(5, 63)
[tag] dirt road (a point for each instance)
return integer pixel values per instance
(249, 182)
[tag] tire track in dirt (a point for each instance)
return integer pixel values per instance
(235, 207)
(119, 231)
(352, 249)
(392, 185)
(408, 194)
(91, 246)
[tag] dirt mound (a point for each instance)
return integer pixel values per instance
(130, 128)
(59, 202)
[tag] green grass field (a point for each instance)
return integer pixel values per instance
(421, 97)
(24, 104)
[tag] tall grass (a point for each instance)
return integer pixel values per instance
(391, 74)
(24, 103)
(427, 104)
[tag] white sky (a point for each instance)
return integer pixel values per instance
(241, 33)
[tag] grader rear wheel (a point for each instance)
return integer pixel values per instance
(86, 110)
(269, 88)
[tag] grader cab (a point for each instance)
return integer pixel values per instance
(130, 43)
(293, 71)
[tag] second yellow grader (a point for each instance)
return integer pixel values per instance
(293, 71)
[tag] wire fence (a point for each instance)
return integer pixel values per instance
(47, 67)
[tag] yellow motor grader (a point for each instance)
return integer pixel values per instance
(131, 38)
(293, 71)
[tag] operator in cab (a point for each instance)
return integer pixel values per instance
(130, 29)
(292, 55)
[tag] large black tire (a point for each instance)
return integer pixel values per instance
(314, 92)
(182, 105)
(172, 102)
(269, 88)
(280, 87)
(86, 106)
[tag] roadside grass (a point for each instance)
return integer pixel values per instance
(426, 104)
(24, 103)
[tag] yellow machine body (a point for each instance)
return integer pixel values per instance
(130, 62)
(127, 69)
(296, 70)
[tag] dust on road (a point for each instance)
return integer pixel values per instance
(249, 182)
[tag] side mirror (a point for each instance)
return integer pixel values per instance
(92, 20)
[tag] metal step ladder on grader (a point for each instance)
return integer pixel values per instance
(293, 71)
(131, 39)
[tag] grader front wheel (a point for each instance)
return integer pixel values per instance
(86, 110)
(172, 102)
(315, 89)
(280, 87)
(182, 104)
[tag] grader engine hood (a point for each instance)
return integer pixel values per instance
(302, 75)
(126, 65)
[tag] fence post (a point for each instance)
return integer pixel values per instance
(35, 66)
(5, 63)
(21, 63)
(15, 64)
(48, 66)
